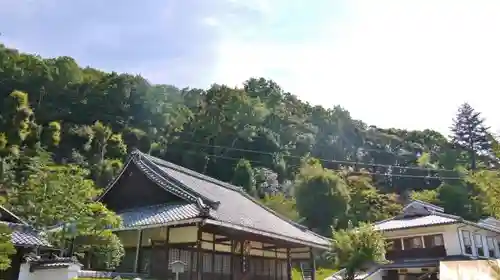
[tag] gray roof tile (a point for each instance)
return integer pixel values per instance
(236, 207)
(23, 235)
(411, 222)
(158, 214)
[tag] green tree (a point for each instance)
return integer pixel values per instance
(48, 194)
(285, 206)
(355, 248)
(7, 249)
(430, 196)
(322, 196)
(367, 203)
(244, 177)
(487, 184)
(470, 134)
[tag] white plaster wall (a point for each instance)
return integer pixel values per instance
(468, 270)
(452, 235)
(68, 273)
(484, 233)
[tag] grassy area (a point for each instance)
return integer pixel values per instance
(321, 273)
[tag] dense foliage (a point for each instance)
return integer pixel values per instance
(6, 247)
(356, 248)
(61, 125)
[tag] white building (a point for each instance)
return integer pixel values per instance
(423, 238)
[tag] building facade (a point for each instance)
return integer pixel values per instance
(423, 236)
(24, 238)
(173, 214)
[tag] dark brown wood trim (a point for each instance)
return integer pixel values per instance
(137, 265)
(276, 264)
(199, 250)
(213, 254)
(288, 265)
(231, 260)
(167, 248)
(313, 264)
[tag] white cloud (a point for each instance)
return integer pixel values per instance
(211, 21)
(405, 64)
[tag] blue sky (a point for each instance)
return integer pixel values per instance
(392, 63)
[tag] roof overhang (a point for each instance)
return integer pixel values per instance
(205, 221)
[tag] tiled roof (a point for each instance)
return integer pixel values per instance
(411, 222)
(236, 207)
(158, 214)
(228, 204)
(23, 235)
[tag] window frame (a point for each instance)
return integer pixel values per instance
(479, 245)
(432, 238)
(491, 249)
(412, 242)
(467, 234)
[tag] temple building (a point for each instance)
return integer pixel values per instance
(215, 229)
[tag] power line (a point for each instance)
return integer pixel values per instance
(322, 160)
(367, 173)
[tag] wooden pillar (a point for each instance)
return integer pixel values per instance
(243, 259)
(288, 264)
(138, 251)
(276, 274)
(167, 249)
(213, 254)
(231, 261)
(313, 264)
(199, 266)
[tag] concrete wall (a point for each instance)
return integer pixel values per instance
(470, 270)
(65, 273)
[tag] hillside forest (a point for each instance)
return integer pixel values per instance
(66, 130)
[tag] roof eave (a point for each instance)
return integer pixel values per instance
(325, 246)
(172, 223)
(420, 226)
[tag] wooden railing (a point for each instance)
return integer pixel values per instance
(417, 253)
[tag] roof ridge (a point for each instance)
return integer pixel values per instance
(152, 165)
(424, 203)
(192, 172)
(227, 186)
(21, 221)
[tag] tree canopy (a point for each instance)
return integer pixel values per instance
(63, 125)
(355, 248)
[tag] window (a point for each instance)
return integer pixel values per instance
(491, 246)
(413, 243)
(467, 242)
(478, 241)
(394, 245)
(433, 240)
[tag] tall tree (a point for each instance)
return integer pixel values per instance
(322, 196)
(470, 134)
(243, 176)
